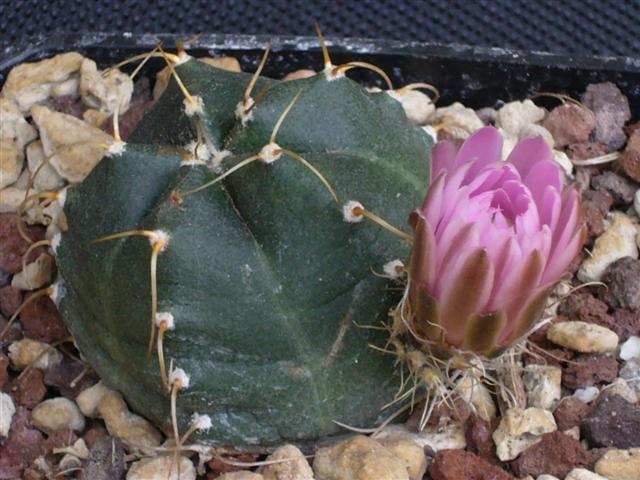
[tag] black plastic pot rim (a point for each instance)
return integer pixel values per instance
(26, 49)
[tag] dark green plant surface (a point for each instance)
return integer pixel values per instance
(268, 284)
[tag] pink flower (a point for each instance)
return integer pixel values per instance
(490, 242)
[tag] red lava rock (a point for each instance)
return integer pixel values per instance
(14, 333)
(94, 434)
(570, 412)
(627, 323)
(586, 150)
(622, 278)
(67, 104)
(583, 306)
(458, 465)
(595, 207)
(59, 439)
(479, 441)
(594, 455)
(570, 123)
(588, 370)
(613, 422)
(28, 388)
(630, 163)
(4, 374)
(611, 109)
(621, 189)
(458, 412)
(10, 300)
(61, 375)
(21, 448)
(220, 467)
(555, 454)
(13, 246)
(41, 321)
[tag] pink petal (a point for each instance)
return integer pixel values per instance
(484, 146)
(527, 153)
(542, 175)
(432, 205)
(442, 158)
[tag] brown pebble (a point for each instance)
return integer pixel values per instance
(10, 300)
(41, 321)
(586, 150)
(458, 465)
(588, 370)
(479, 441)
(13, 246)
(570, 412)
(22, 447)
(28, 388)
(612, 111)
(613, 422)
(570, 123)
(595, 207)
(4, 373)
(622, 278)
(620, 188)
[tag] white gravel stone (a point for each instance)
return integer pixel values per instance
(12, 197)
(7, 409)
(46, 178)
(620, 464)
(583, 337)
(88, 400)
(162, 468)
(36, 274)
(618, 240)
(417, 106)
(25, 352)
(636, 202)
(11, 162)
(509, 141)
(587, 395)
(105, 92)
(542, 385)
(532, 130)
(478, 396)
(583, 474)
(57, 414)
(74, 146)
(630, 348)
(521, 428)
(547, 477)
(630, 371)
(437, 438)
(13, 126)
(31, 83)
(459, 120)
(295, 468)
(515, 115)
(563, 160)
(620, 387)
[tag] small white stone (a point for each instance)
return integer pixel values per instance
(106, 93)
(583, 474)
(563, 160)
(630, 371)
(7, 409)
(57, 414)
(458, 120)
(573, 432)
(583, 337)
(636, 202)
(621, 387)
(543, 385)
(11, 162)
(295, 468)
(13, 126)
(619, 240)
(12, 197)
(132, 429)
(532, 130)
(162, 468)
(547, 477)
(509, 142)
(46, 178)
(417, 106)
(620, 464)
(587, 394)
(437, 438)
(25, 352)
(89, 399)
(478, 396)
(521, 428)
(630, 349)
(515, 115)
(36, 274)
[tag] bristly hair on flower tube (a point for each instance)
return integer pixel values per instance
(491, 241)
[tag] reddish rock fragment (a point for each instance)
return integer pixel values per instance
(62, 374)
(570, 412)
(4, 374)
(627, 323)
(620, 189)
(94, 434)
(13, 246)
(587, 150)
(479, 441)
(588, 370)
(21, 448)
(622, 278)
(555, 454)
(613, 422)
(220, 467)
(106, 461)
(584, 307)
(630, 163)
(28, 388)
(458, 465)
(59, 439)
(10, 300)
(41, 321)
(611, 109)
(67, 104)
(570, 123)
(595, 207)
(458, 412)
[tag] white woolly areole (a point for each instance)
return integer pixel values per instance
(56, 291)
(167, 319)
(201, 422)
(55, 242)
(116, 149)
(429, 130)
(160, 236)
(179, 375)
(217, 159)
(241, 111)
(394, 268)
(199, 152)
(270, 152)
(349, 215)
(195, 106)
(62, 197)
(394, 94)
(331, 73)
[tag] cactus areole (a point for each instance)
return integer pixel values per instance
(270, 289)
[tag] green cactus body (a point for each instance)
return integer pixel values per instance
(267, 282)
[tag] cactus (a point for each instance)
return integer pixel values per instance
(258, 288)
